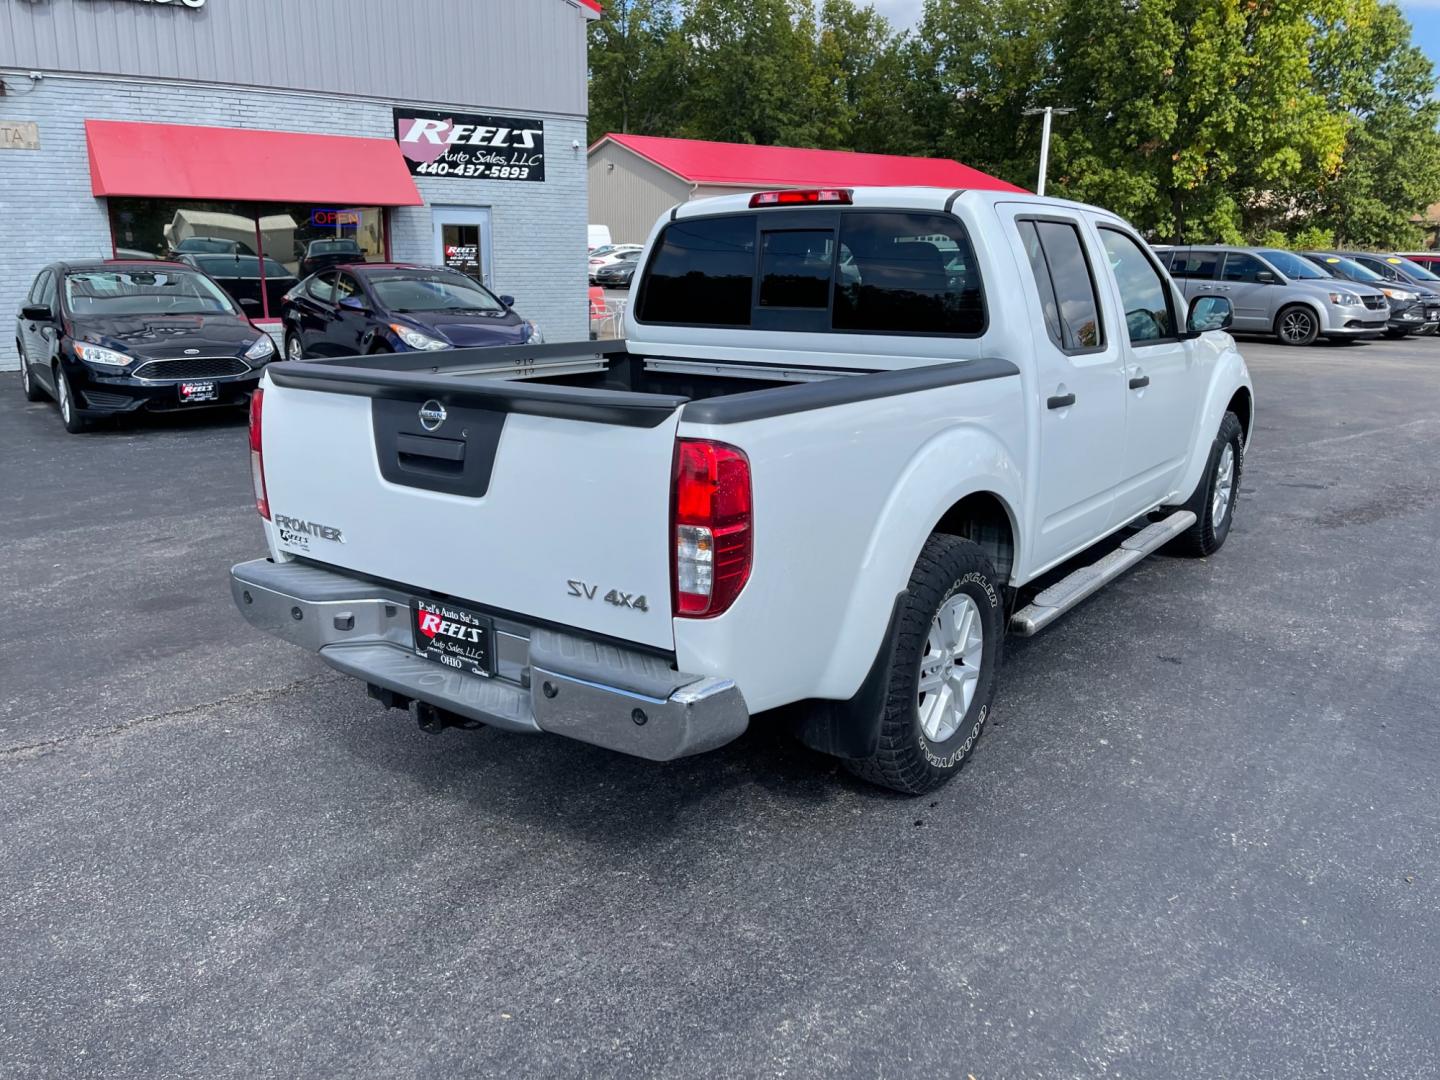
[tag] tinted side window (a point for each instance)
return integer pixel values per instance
(1051, 307)
(1144, 295)
(346, 287)
(37, 287)
(1074, 285)
(50, 291)
(795, 268)
(322, 288)
(1242, 267)
(702, 273)
(907, 273)
(1193, 264)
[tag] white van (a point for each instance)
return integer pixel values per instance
(599, 236)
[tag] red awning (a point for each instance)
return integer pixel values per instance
(176, 161)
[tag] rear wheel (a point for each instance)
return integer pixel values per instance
(28, 385)
(1213, 503)
(293, 349)
(1297, 325)
(943, 672)
(65, 399)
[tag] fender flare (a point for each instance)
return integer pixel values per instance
(1229, 376)
(957, 463)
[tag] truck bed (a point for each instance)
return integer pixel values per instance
(604, 382)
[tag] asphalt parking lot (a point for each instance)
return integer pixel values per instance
(1201, 837)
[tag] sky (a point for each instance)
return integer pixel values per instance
(1424, 15)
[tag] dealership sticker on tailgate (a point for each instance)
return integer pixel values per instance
(454, 636)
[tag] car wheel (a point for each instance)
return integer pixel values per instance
(28, 385)
(65, 399)
(1297, 325)
(1213, 503)
(943, 671)
(293, 349)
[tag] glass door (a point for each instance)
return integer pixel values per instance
(462, 240)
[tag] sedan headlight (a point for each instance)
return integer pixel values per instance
(262, 349)
(536, 337)
(416, 340)
(94, 354)
(1345, 299)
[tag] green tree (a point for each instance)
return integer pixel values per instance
(635, 68)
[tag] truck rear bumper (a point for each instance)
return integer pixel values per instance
(546, 680)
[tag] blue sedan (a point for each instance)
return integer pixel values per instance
(397, 307)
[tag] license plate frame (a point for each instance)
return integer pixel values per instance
(198, 390)
(454, 636)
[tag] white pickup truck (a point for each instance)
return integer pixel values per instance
(847, 432)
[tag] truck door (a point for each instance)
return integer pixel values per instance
(1161, 392)
(1080, 370)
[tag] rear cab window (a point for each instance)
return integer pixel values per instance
(1065, 281)
(853, 271)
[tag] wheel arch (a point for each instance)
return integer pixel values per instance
(987, 520)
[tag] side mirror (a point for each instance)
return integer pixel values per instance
(354, 303)
(37, 313)
(1209, 313)
(507, 300)
(1265, 277)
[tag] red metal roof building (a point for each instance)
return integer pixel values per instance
(635, 178)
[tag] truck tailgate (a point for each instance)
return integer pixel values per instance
(498, 504)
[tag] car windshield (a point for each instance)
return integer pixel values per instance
(432, 292)
(1293, 266)
(1411, 269)
(239, 266)
(333, 247)
(144, 292)
(1348, 268)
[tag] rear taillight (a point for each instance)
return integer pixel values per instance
(712, 537)
(257, 455)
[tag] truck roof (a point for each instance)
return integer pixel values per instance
(916, 198)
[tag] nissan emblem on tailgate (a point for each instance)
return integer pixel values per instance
(432, 415)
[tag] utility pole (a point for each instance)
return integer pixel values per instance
(1047, 112)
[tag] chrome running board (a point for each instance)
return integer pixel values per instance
(1069, 591)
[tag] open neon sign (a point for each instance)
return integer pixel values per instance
(322, 218)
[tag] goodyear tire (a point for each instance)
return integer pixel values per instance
(948, 646)
(1213, 503)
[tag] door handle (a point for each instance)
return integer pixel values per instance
(1060, 401)
(1139, 382)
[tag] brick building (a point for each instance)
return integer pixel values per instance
(430, 131)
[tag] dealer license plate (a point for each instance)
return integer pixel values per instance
(197, 391)
(454, 636)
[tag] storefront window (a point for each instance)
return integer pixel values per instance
(256, 251)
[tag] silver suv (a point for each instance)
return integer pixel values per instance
(1278, 292)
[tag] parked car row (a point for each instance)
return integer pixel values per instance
(614, 264)
(113, 336)
(1302, 296)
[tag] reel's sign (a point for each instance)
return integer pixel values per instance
(471, 146)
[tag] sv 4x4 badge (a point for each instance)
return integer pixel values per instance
(585, 591)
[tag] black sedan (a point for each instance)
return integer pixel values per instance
(111, 337)
(620, 273)
(324, 254)
(396, 307)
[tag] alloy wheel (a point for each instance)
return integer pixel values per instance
(1296, 326)
(1224, 486)
(950, 667)
(62, 392)
(24, 375)
(293, 349)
